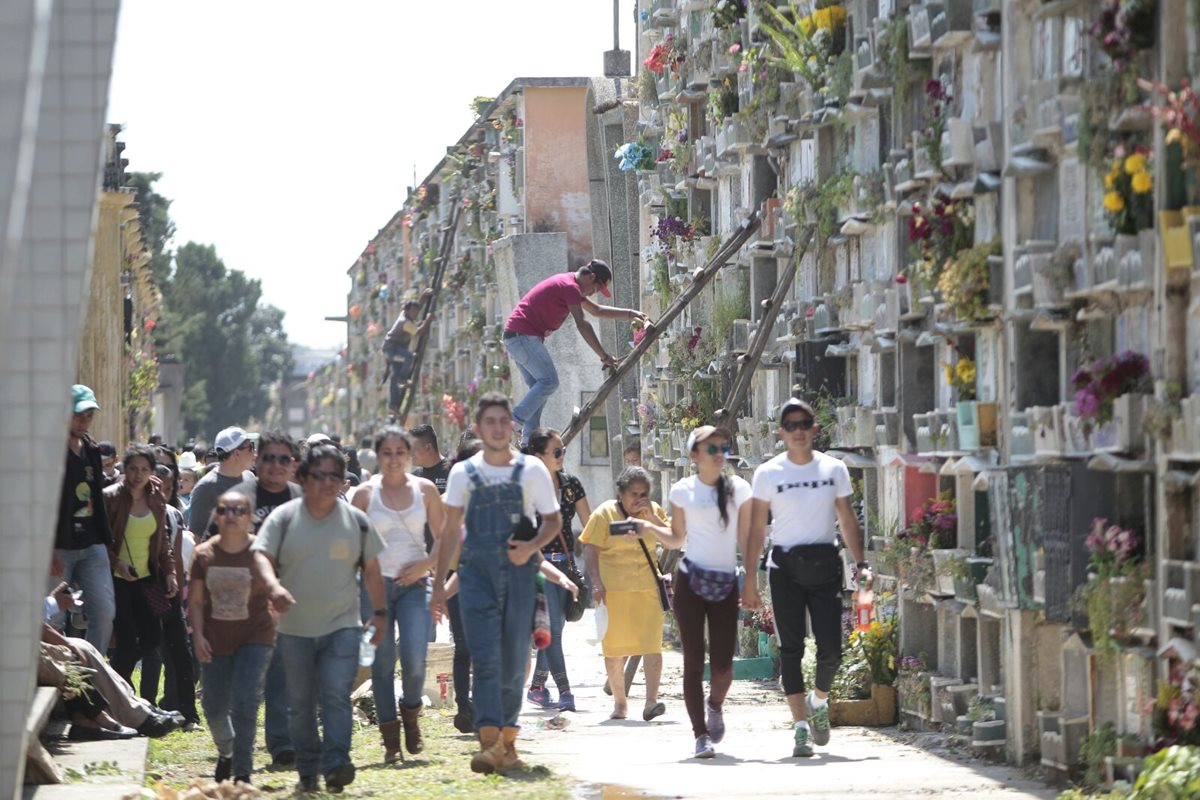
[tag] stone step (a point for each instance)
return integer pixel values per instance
(123, 773)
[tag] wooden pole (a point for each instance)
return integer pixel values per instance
(699, 281)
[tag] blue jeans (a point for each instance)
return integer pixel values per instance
(320, 673)
(408, 609)
(551, 660)
(278, 739)
(402, 361)
(532, 358)
(90, 569)
(462, 655)
(230, 699)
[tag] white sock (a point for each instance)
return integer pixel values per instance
(818, 702)
(801, 724)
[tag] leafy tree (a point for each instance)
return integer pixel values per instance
(233, 348)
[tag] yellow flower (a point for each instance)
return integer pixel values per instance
(1135, 163)
(966, 370)
(1174, 135)
(1142, 182)
(949, 374)
(1114, 202)
(1109, 180)
(823, 18)
(806, 26)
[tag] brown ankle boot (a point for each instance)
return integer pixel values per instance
(412, 730)
(511, 759)
(490, 757)
(390, 731)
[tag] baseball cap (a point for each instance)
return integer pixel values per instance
(83, 398)
(316, 439)
(229, 439)
(699, 435)
(796, 404)
(603, 275)
(107, 450)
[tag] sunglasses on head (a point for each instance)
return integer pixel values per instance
(798, 425)
(322, 475)
(237, 511)
(282, 459)
(713, 449)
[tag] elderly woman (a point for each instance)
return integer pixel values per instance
(618, 564)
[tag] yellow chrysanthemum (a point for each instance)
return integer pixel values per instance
(1114, 202)
(1109, 180)
(823, 19)
(1135, 163)
(1142, 182)
(965, 370)
(806, 25)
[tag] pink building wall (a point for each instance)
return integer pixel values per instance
(556, 180)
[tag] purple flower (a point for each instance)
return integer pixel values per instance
(682, 137)
(1086, 403)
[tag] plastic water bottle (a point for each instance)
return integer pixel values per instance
(366, 650)
(541, 617)
(864, 606)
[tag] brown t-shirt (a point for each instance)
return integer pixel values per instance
(237, 608)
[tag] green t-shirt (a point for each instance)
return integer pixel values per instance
(318, 564)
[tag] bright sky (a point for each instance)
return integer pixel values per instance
(287, 132)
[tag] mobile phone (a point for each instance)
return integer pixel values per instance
(621, 528)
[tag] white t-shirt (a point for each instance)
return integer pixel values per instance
(802, 498)
(710, 544)
(535, 484)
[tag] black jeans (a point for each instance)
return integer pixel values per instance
(138, 631)
(691, 612)
(822, 601)
(179, 693)
(462, 655)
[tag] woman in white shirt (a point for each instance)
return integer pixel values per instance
(399, 504)
(710, 517)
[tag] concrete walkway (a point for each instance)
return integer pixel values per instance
(632, 758)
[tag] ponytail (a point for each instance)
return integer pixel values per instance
(724, 491)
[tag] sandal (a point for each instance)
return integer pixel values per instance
(656, 710)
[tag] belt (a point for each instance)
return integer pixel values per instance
(556, 556)
(510, 334)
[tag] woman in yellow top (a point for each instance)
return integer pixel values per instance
(623, 580)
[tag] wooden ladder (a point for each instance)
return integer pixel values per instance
(700, 279)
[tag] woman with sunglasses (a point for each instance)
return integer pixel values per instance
(398, 505)
(547, 445)
(622, 579)
(143, 562)
(233, 628)
(710, 512)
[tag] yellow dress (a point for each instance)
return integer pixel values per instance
(635, 618)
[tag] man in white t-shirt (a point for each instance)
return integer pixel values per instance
(498, 492)
(808, 496)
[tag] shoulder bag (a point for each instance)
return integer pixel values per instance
(573, 608)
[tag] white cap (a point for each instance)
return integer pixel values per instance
(229, 439)
(187, 460)
(699, 435)
(318, 438)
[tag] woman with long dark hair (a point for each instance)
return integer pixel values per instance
(547, 445)
(143, 561)
(710, 513)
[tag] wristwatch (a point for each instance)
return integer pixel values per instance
(381, 612)
(863, 565)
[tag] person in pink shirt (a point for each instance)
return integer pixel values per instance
(540, 313)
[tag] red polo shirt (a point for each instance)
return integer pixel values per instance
(545, 307)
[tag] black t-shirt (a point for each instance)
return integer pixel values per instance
(264, 501)
(570, 491)
(83, 505)
(438, 473)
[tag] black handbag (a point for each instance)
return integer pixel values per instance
(666, 597)
(573, 608)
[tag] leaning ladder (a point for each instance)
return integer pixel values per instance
(443, 258)
(701, 279)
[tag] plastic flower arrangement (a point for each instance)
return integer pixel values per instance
(938, 116)
(1113, 598)
(455, 411)
(938, 231)
(670, 227)
(635, 155)
(1097, 386)
(1123, 27)
(667, 54)
(807, 44)
(1180, 113)
(1128, 198)
(961, 376)
(1111, 548)
(1176, 708)
(932, 526)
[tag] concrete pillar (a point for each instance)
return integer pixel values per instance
(1018, 647)
(51, 130)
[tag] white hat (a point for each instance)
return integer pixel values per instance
(318, 438)
(187, 460)
(229, 439)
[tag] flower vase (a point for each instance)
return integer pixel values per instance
(1176, 241)
(943, 578)
(968, 425)
(986, 414)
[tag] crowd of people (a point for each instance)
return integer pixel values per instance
(268, 573)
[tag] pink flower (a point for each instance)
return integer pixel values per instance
(901, 279)
(744, 66)
(735, 48)
(1187, 720)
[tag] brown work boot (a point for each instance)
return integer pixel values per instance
(511, 759)
(412, 730)
(390, 731)
(490, 757)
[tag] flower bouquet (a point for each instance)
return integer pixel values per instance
(1129, 186)
(1098, 386)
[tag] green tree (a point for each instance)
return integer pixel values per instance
(157, 228)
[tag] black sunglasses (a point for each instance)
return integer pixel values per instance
(276, 458)
(713, 449)
(237, 511)
(798, 425)
(322, 475)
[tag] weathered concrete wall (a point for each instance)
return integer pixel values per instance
(521, 262)
(556, 177)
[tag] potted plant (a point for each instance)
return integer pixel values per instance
(1128, 191)
(1114, 594)
(871, 654)
(930, 537)
(1112, 389)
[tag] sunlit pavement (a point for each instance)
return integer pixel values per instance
(632, 758)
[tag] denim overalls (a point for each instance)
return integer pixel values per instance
(497, 598)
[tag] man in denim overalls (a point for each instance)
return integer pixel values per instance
(493, 490)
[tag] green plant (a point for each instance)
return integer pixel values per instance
(1170, 774)
(728, 307)
(982, 709)
(1097, 746)
(964, 281)
(662, 277)
(879, 646)
(1114, 605)
(818, 203)
(893, 51)
(806, 44)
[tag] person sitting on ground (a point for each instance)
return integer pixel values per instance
(232, 596)
(540, 313)
(236, 453)
(622, 579)
(398, 347)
